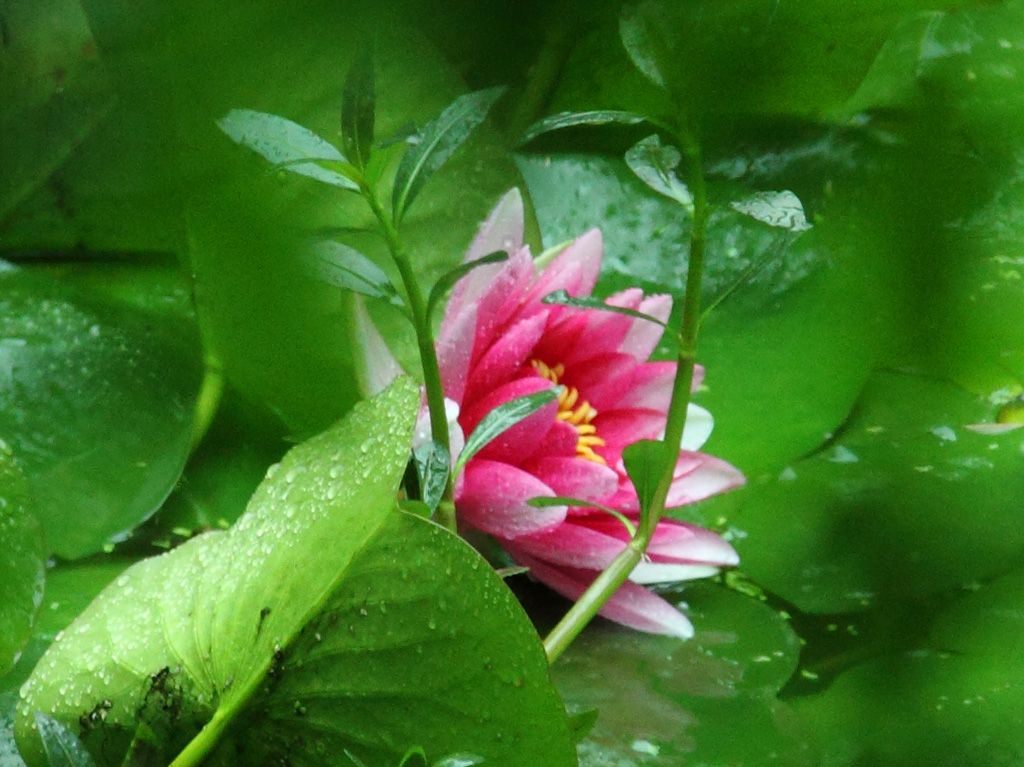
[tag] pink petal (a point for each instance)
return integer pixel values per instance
(619, 428)
(698, 377)
(574, 270)
(454, 347)
(574, 477)
(699, 476)
(501, 300)
(505, 357)
(651, 387)
(603, 380)
(604, 331)
(561, 440)
(574, 544)
(632, 605)
(644, 336)
(492, 497)
(522, 440)
(503, 229)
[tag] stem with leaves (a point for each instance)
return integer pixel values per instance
(424, 338)
(608, 582)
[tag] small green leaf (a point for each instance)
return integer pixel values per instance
(62, 748)
(562, 298)
(438, 142)
(572, 119)
(449, 279)
(645, 461)
(654, 163)
(358, 105)
(781, 209)
(345, 267)
(582, 722)
(433, 464)
(499, 420)
(285, 143)
(22, 558)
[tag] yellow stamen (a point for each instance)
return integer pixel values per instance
(575, 412)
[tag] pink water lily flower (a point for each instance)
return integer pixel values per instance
(498, 341)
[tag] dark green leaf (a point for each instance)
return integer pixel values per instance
(9, 756)
(98, 407)
(437, 143)
(285, 144)
(21, 560)
(358, 108)
(562, 298)
(655, 164)
(433, 464)
(502, 418)
(447, 281)
(62, 748)
(645, 462)
(346, 267)
(572, 119)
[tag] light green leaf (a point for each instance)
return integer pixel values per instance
(645, 462)
(437, 143)
(285, 144)
(238, 639)
(21, 560)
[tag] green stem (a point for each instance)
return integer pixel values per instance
(424, 338)
(608, 582)
(201, 745)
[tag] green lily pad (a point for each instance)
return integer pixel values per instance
(244, 639)
(892, 508)
(666, 702)
(21, 560)
(97, 402)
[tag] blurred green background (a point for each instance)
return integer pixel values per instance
(857, 371)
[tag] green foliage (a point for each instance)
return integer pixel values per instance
(500, 420)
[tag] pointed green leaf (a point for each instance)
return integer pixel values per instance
(448, 280)
(285, 143)
(562, 298)
(572, 119)
(358, 105)
(499, 420)
(22, 559)
(438, 142)
(655, 164)
(346, 267)
(295, 632)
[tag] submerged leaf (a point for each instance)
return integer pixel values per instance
(654, 163)
(782, 209)
(438, 142)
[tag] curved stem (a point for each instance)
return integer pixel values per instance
(424, 337)
(608, 582)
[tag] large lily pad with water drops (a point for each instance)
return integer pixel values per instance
(323, 621)
(97, 402)
(906, 501)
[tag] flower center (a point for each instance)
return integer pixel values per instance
(575, 412)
